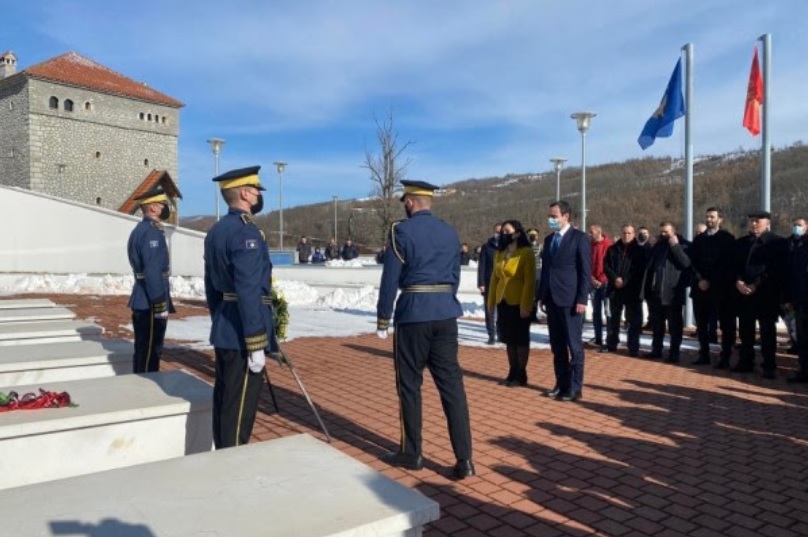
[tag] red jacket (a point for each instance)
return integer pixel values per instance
(598, 257)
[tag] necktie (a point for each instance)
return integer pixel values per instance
(554, 244)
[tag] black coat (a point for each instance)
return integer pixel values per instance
(797, 289)
(712, 258)
(761, 261)
(626, 261)
(667, 274)
(485, 267)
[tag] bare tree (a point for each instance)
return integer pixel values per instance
(386, 172)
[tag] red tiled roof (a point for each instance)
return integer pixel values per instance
(155, 177)
(76, 70)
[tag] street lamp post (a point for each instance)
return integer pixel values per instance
(583, 119)
(216, 146)
(558, 163)
(336, 198)
(280, 166)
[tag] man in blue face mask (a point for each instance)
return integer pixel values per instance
(563, 296)
(796, 240)
(485, 267)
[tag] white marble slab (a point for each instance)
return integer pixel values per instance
(14, 303)
(119, 421)
(35, 314)
(58, 362)
(31, 333)
(295, 486)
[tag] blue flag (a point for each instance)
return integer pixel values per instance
(671, 108)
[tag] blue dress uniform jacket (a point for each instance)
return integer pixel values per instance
(148, 257)
(416, 270)
(238, 279)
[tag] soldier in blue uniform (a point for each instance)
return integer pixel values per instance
(151, 297)
(421, 260)
(238, 276)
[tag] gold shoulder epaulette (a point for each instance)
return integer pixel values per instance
(393, 242)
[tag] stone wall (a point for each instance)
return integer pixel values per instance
(14, 151)
(99, 152)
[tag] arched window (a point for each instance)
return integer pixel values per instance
(98, 201)
(68, 105)
(146, 162)
(88, 105)
(98, 154)
(164, 120)
(149, 117)
(53, 103)
(142, 116)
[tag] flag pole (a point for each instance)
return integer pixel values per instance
(688, 50)
(766, 149)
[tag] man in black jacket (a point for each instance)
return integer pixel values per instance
(485, 267)
(759, 267)
(664, 284)
(624, 266)
(797, 302)
(712, 257)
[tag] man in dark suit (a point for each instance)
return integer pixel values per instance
(759, 264)
(485, 266)
(563, 292)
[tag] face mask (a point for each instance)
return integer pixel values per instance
(165, 212)
(505, 240)
(797, 231)
(554, 224)
(642, 238)
(258, 205)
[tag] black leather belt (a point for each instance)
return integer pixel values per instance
(434, 288)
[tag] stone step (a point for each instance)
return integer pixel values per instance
(31, 333)
(290, 486)
(20, 315)
(119, 421)
(15, 303)
(57, 362)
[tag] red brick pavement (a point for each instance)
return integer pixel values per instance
(653, 449)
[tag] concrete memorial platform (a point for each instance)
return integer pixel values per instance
(290, 486)
(58, 362)
(119, 421)
(20, 315)
(31, 333)
(16, 303)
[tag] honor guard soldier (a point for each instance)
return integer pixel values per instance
(151, 297)
(238, 274)
(421, 260)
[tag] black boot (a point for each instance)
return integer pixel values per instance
(522, 356)
(512, 365)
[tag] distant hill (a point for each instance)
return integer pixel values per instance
(639, 191)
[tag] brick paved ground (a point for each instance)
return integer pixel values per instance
(653, 449)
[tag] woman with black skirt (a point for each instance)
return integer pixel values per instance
(512, 290)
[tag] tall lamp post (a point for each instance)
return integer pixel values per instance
(583, 119)
(336, 198)
(216, 146)
(558, 163)
(280, 166)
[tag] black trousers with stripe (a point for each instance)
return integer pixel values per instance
(236, 392)
(149, 336)
(433, 345)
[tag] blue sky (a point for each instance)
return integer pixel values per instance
(483, 88)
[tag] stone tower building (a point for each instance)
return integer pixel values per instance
(74, 129)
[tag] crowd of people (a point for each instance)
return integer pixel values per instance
(306, 255)
(739, 288)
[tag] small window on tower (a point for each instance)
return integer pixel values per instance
(88, 105)
(149, 117)
(98, 201)
(142, 116)
(68, 105)
(146, 162)
(98, 154)
(53, 103)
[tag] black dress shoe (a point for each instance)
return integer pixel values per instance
(555, 392)
(605, 350)
(404, 460)
(490, 341)
(652, 355)
(463, 469)
(797, 378)
(673, 358)
(742, 368)
(769, 374)
(702, 360)
(633, 354)
(570, 397)
(722, 364)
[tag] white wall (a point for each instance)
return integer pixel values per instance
(40, 233)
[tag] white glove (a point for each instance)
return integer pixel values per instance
(161, 315)
(382, 334)
(256, 361)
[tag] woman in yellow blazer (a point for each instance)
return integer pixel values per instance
(511, 292)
